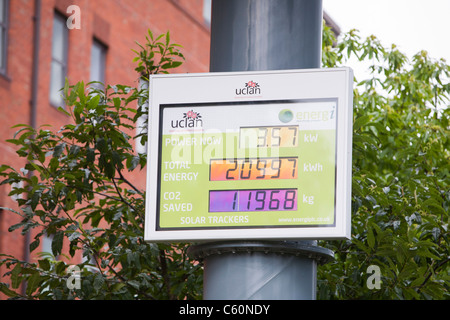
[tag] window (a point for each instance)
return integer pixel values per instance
(46, 241)
(207, 11)
(60, 42)
(3, 34)
(98, 63)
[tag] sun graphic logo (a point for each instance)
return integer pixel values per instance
(285, 115)
(191, 119)
(250, 87)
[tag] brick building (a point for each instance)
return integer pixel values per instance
(38, 50)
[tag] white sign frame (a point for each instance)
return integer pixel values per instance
(305, 84)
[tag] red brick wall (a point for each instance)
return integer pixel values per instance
(118, 24)
(14, 108)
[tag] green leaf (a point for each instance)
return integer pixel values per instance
(58, 187)
(34, 245)
(4, 289)
(370, 238)
(150, 34)
(110, 170)
(61, 109)
(75, 235)
(361, 246)
(101, 144)
(33, 283)
(15, 278)
(160, 36)
(35, 199)
(167, 38)
(117, 286)
(171, 64)
(90, 155)
(135, 284)
(360, 122)
(60, 268)
(57, 243)
(132, 162)
(44, 264)
(59, 149)
(93, 102)
(81, 92)
(176, 64)
(99, 280)
(117, 102)
(17, 142)
(16, 226)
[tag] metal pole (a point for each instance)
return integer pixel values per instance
(260, 270)
(256, 35)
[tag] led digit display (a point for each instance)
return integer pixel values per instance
(253, 169)
(252, 200)
(264, 137)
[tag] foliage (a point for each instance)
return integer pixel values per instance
(154, 50)
(75, 190)
(401, 176)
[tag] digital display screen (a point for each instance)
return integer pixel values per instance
(265, 137)
(244, 165)
(252, 200)
(254, 169)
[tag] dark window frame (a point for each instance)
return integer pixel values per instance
(4, 28)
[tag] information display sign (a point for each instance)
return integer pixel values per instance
(259, 155)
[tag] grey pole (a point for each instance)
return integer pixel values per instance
(257, 35)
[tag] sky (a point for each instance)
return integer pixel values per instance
(413, 25)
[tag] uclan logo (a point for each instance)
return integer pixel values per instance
(250, 87)
(191, 119)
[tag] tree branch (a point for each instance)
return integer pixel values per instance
(122, 198)
(164, 273)
(128, 182)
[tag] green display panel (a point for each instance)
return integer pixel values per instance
(247, 165)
